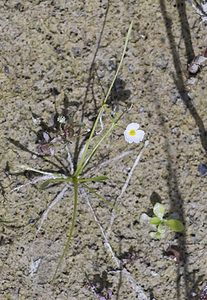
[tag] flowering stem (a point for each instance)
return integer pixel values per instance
(107, 133)
(71, 230)
(82, 163)
(120, 63)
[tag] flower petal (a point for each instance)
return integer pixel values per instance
(131, 126)
(139, 136)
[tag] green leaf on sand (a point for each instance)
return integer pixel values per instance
(159, 210)
(175, 225)
(155, 221)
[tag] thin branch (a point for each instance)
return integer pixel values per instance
(28, 168)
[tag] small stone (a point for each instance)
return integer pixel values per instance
(142, 109)
(131, 68)
(144, 218)
(192, 80)
(154, 274)
(111, 66)
(34, 266)
(202, 169)
(161, 63)
(76, 51)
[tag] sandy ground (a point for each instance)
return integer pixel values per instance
(61, 55)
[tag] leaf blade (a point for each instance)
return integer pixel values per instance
(159, 210)
(175, 225)
(46, 183)
(96, 179)
(155, 221)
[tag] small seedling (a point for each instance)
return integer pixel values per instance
(160, 224)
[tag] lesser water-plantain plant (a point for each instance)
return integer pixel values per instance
(76, 178)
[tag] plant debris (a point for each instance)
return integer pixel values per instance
(174, 253)
(203, 295)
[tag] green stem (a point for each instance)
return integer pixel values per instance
(107, 133)
(81, 163)
(120, 63)
(72, 227)
(95, 179)
(100, 197)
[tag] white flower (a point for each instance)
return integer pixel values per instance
(132, 134)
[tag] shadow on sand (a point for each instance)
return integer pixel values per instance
(176, 200)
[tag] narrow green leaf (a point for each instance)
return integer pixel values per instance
(97, 179)
(159, 210)
(155, 221)
(105, 135)
(175, 225)
(102, 198)
(46, 183)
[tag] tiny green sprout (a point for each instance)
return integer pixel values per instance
(160, 224)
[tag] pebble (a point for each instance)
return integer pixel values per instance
(161, 63)
(76, 51)
(202, 169)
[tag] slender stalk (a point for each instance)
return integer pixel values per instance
(95, 179)
(72, 227)
(120, 63)
(107, 133)
(82, 160)
(96, 147)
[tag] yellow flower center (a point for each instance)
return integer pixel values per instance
(132, 132)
